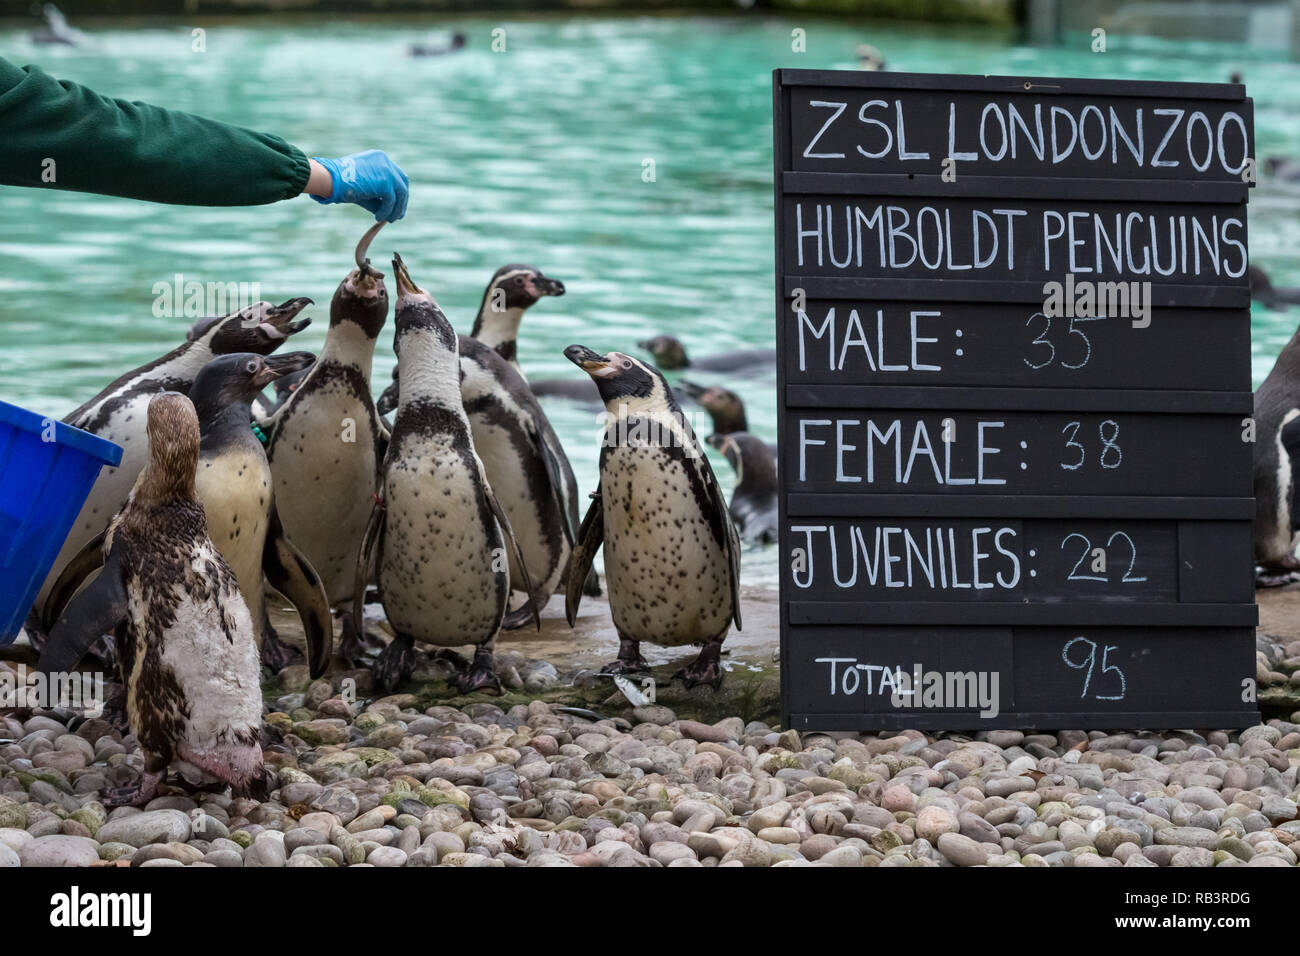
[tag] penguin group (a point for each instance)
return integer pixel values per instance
(450, 498)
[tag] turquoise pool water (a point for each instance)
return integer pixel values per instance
(534, 154)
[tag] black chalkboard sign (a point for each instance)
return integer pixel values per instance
(1013, 330)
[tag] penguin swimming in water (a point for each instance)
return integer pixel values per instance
(1276, 460)
(670, 355)
(119, 412)
(512, 291)
(672, 555)
(438, 537)
(754, 500)
(186, 641)
(233, 483)
(724, 406)
(726, 410)
(325, 442)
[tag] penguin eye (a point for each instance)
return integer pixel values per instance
(625, 363)
(251, 367)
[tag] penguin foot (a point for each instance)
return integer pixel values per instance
(705, 669)
(276, 654)
(591, 587)
(1276, 579)
(481, 675)
(454, 658)
(353, 644)
(395, 663)
(136, 796)
(629, 660)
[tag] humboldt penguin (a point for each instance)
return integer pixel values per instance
(672, 555)
(670, 355)
(724, 406)
(186, 642)
(754, 500)
(526, 464)
(526, 468)
(513, 290)
(1276, 461)
(438, 537)
(325, 442)
(233, 483)
(118, 413)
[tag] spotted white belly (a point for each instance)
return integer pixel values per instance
(667, 575)
(441, 570)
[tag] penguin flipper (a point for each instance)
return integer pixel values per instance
(732, 543)
(509, 534)
(552, 456)
(96, 611)
(365, 558)
(83, 564)
(591, 535)
(292, 575)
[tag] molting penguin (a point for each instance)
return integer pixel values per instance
(325, 442)
(439, 537)
(233, 483)
(185, 638)
(754, 500)
(1276, 460)
(119, 412)
(670, 355)
(514, 289)
(672, 556)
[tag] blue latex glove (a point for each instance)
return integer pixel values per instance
(371, 180)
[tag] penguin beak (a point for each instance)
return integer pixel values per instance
(279, 319)
(545, 285)
(591, 362)
(278, 366)
(691, 389)
(405, 286)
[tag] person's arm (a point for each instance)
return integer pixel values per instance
(58, 135)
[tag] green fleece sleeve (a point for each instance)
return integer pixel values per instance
(58, 135)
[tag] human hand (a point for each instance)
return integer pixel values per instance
(370, 179)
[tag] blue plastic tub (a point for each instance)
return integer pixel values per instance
(47, 469)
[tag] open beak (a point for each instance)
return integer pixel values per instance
(277, 366)
(279, 322)
(405, 285)
(593, 363)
